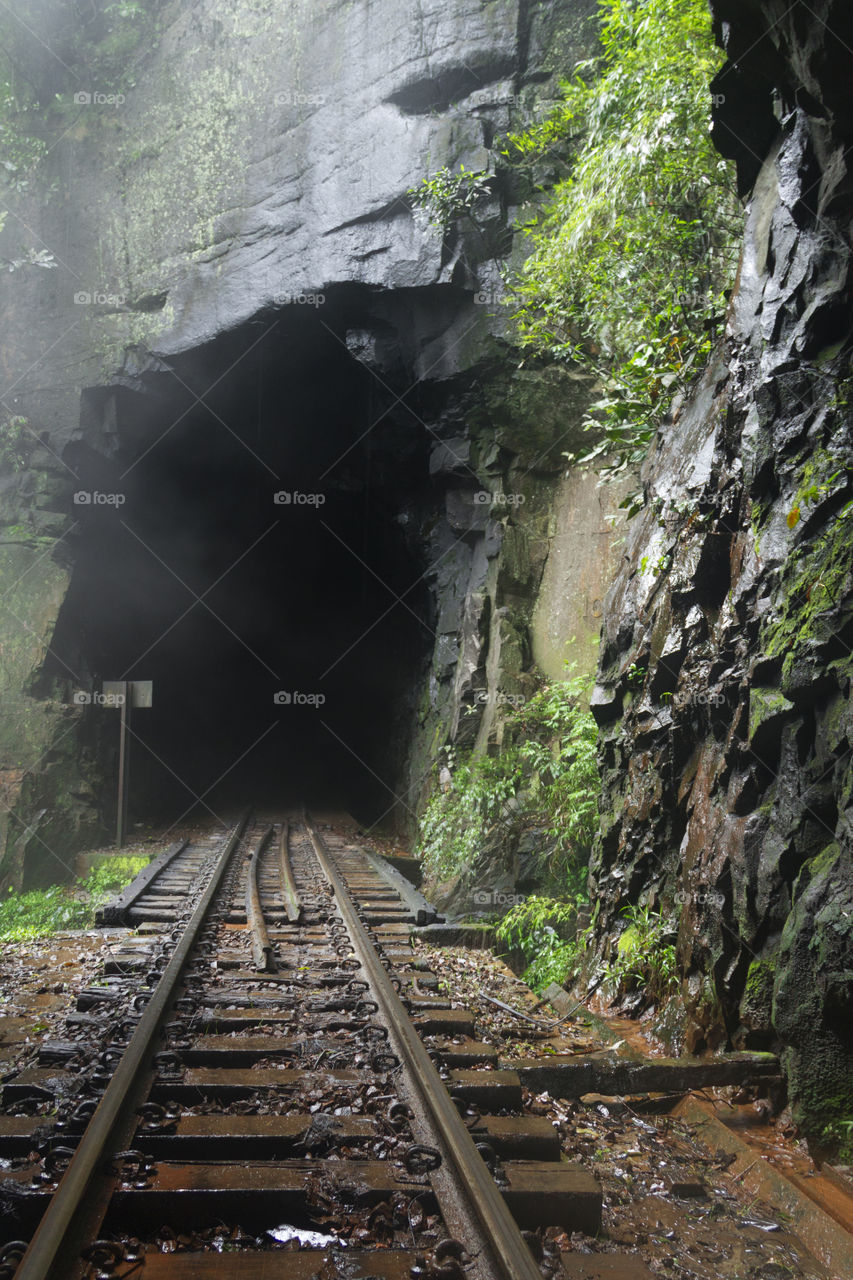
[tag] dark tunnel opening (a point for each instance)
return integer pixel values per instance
(245, 541)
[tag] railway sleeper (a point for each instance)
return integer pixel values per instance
(261, 1195)
(300, 977)
(154, 915)
(308, 1264)
(395, 917)
(223, 1051)
(232, 1050)
(227, 1136)
(209, 1138)
(489, 1090)
(384, 1264)
(470, 1053)
(127, 962)
(197, 1084)
(42, 1083)
(602, 1266)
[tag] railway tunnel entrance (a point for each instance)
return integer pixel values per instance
(246, 538)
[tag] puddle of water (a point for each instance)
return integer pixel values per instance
(313, 1239)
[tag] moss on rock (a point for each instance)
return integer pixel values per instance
(813, 992)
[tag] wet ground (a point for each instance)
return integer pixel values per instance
(667, 1198)
(40, 979)
(39, 982)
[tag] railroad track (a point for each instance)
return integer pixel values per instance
(269, 1084)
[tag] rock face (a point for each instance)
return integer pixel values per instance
(213, 172)
(724, 694)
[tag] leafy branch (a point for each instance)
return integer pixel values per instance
(447, 196)
(633, 253)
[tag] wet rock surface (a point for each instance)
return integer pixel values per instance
(724, 683)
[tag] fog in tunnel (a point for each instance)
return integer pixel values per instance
(256, 566)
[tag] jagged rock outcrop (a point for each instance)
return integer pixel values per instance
(724, 686)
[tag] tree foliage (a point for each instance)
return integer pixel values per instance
(632, 255)
(21, 146)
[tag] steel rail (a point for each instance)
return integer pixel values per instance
(54, 1249)
(115, 911)
(512, 1259)
(289, 892)
(262, 948)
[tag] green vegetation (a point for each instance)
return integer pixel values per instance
(824, 476)
(547, 778)
(448, 195)
(633, 250)
(108, 40)
(545, 931)
(112, 874)
(758, 988)
(838, 1136)
(645, 955)
(21, 149)
(550, 777)
(454, 826)
(42, 912)
(99, 49)
(632, 255)
(17, 442)
(813, 586)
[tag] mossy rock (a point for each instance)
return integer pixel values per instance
(767, 707)
(629, 943)
(815, 601)
(756, 1006)
(813, 993)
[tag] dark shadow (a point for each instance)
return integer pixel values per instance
(256, 567)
